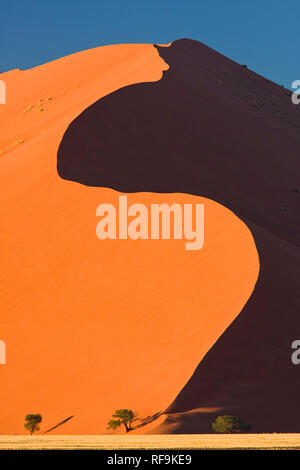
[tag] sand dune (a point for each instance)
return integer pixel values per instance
(213, 128)
(92, 326)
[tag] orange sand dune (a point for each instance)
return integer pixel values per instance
(90, 325)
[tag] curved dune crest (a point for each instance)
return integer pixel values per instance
(46, 98)
(93, 325)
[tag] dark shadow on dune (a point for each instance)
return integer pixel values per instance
(190, 422)
(212, 128)
(141, 422)
(59, 424)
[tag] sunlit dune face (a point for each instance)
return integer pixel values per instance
(94, 325)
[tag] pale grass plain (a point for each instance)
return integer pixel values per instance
(167, 441)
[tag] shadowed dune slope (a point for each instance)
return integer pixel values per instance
(91, 326)
(213, 128)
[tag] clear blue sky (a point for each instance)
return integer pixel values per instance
(264, 34)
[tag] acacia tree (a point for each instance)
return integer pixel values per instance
(230, 424)
(32, 422)
(122, 416)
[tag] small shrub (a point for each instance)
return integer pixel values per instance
(32, 422)
(123, 416)
(230, 424)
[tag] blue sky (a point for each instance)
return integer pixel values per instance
(264, 34)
